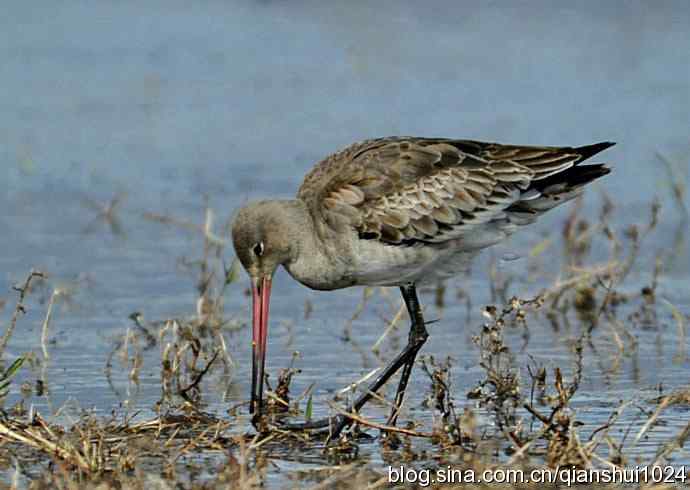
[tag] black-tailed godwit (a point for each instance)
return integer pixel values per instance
(398, 211)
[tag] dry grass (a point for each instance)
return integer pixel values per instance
(519, 414)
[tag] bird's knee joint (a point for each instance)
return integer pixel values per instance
(418, 338)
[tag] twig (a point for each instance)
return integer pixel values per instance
(382, 427)
(34, 440)
(523, 449)
(665, 402)
(197, 380)
(46, 323)
(20, 308)
(597, 271)
(355, 384)
(393, 323)
(681, 354)
(273, 396)
(677, 185)
(673, 444)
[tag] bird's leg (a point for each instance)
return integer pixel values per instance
(406, 358)
(417, 337)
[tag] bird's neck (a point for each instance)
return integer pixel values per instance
(309, 263)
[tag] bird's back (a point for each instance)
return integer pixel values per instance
(407, 191)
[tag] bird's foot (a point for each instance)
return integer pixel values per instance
(331, 424)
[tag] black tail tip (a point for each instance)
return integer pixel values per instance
(576, 176)
(590, 150)
(584, 174)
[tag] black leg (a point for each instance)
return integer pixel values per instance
(405, 359)
(417, 337)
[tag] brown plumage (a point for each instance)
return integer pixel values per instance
(407, 190)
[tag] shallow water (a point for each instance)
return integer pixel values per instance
(169, 105)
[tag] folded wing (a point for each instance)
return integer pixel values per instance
(424, 190)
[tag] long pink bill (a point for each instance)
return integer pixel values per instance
(261, 295)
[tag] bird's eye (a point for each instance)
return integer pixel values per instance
(259, 249)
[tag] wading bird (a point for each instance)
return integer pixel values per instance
(398, 211)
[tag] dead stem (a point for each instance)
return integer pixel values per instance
(44, 331)
(374, 425)
(20, 308)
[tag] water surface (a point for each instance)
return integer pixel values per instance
(172, 108)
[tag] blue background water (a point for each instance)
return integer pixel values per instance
(169, 104)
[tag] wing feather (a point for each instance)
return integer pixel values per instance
(409, 190)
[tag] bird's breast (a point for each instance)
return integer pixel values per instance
(380, 264)
(321, 269)
(359, 262)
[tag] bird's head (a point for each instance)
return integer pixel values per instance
(262, 236)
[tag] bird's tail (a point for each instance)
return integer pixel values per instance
(545, 194)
